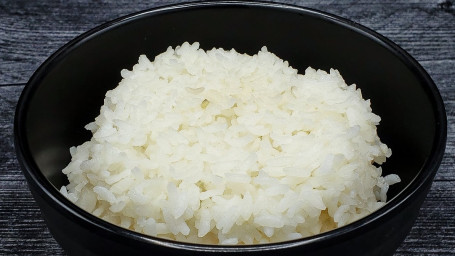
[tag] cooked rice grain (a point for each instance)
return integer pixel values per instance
(225, 148)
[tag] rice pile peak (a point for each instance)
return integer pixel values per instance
(218, 147)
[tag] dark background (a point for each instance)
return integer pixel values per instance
(30, 31)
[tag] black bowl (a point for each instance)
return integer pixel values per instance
(66, 92)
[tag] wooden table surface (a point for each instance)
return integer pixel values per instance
(30, 31)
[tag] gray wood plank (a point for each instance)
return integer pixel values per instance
(32, 30)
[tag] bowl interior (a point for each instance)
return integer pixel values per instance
(67, 92)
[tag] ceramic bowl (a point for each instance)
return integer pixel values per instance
(67, 91)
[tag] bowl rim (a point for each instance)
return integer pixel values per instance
(51, 194)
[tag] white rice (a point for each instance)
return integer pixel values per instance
(225, 148)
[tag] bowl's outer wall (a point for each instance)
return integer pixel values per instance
(68, 91)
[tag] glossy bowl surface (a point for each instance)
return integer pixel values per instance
(68, 89)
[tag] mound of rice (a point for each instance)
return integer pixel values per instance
(219, 147)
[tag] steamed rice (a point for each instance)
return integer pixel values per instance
(225, 148)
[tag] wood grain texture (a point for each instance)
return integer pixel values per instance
(32, 30)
